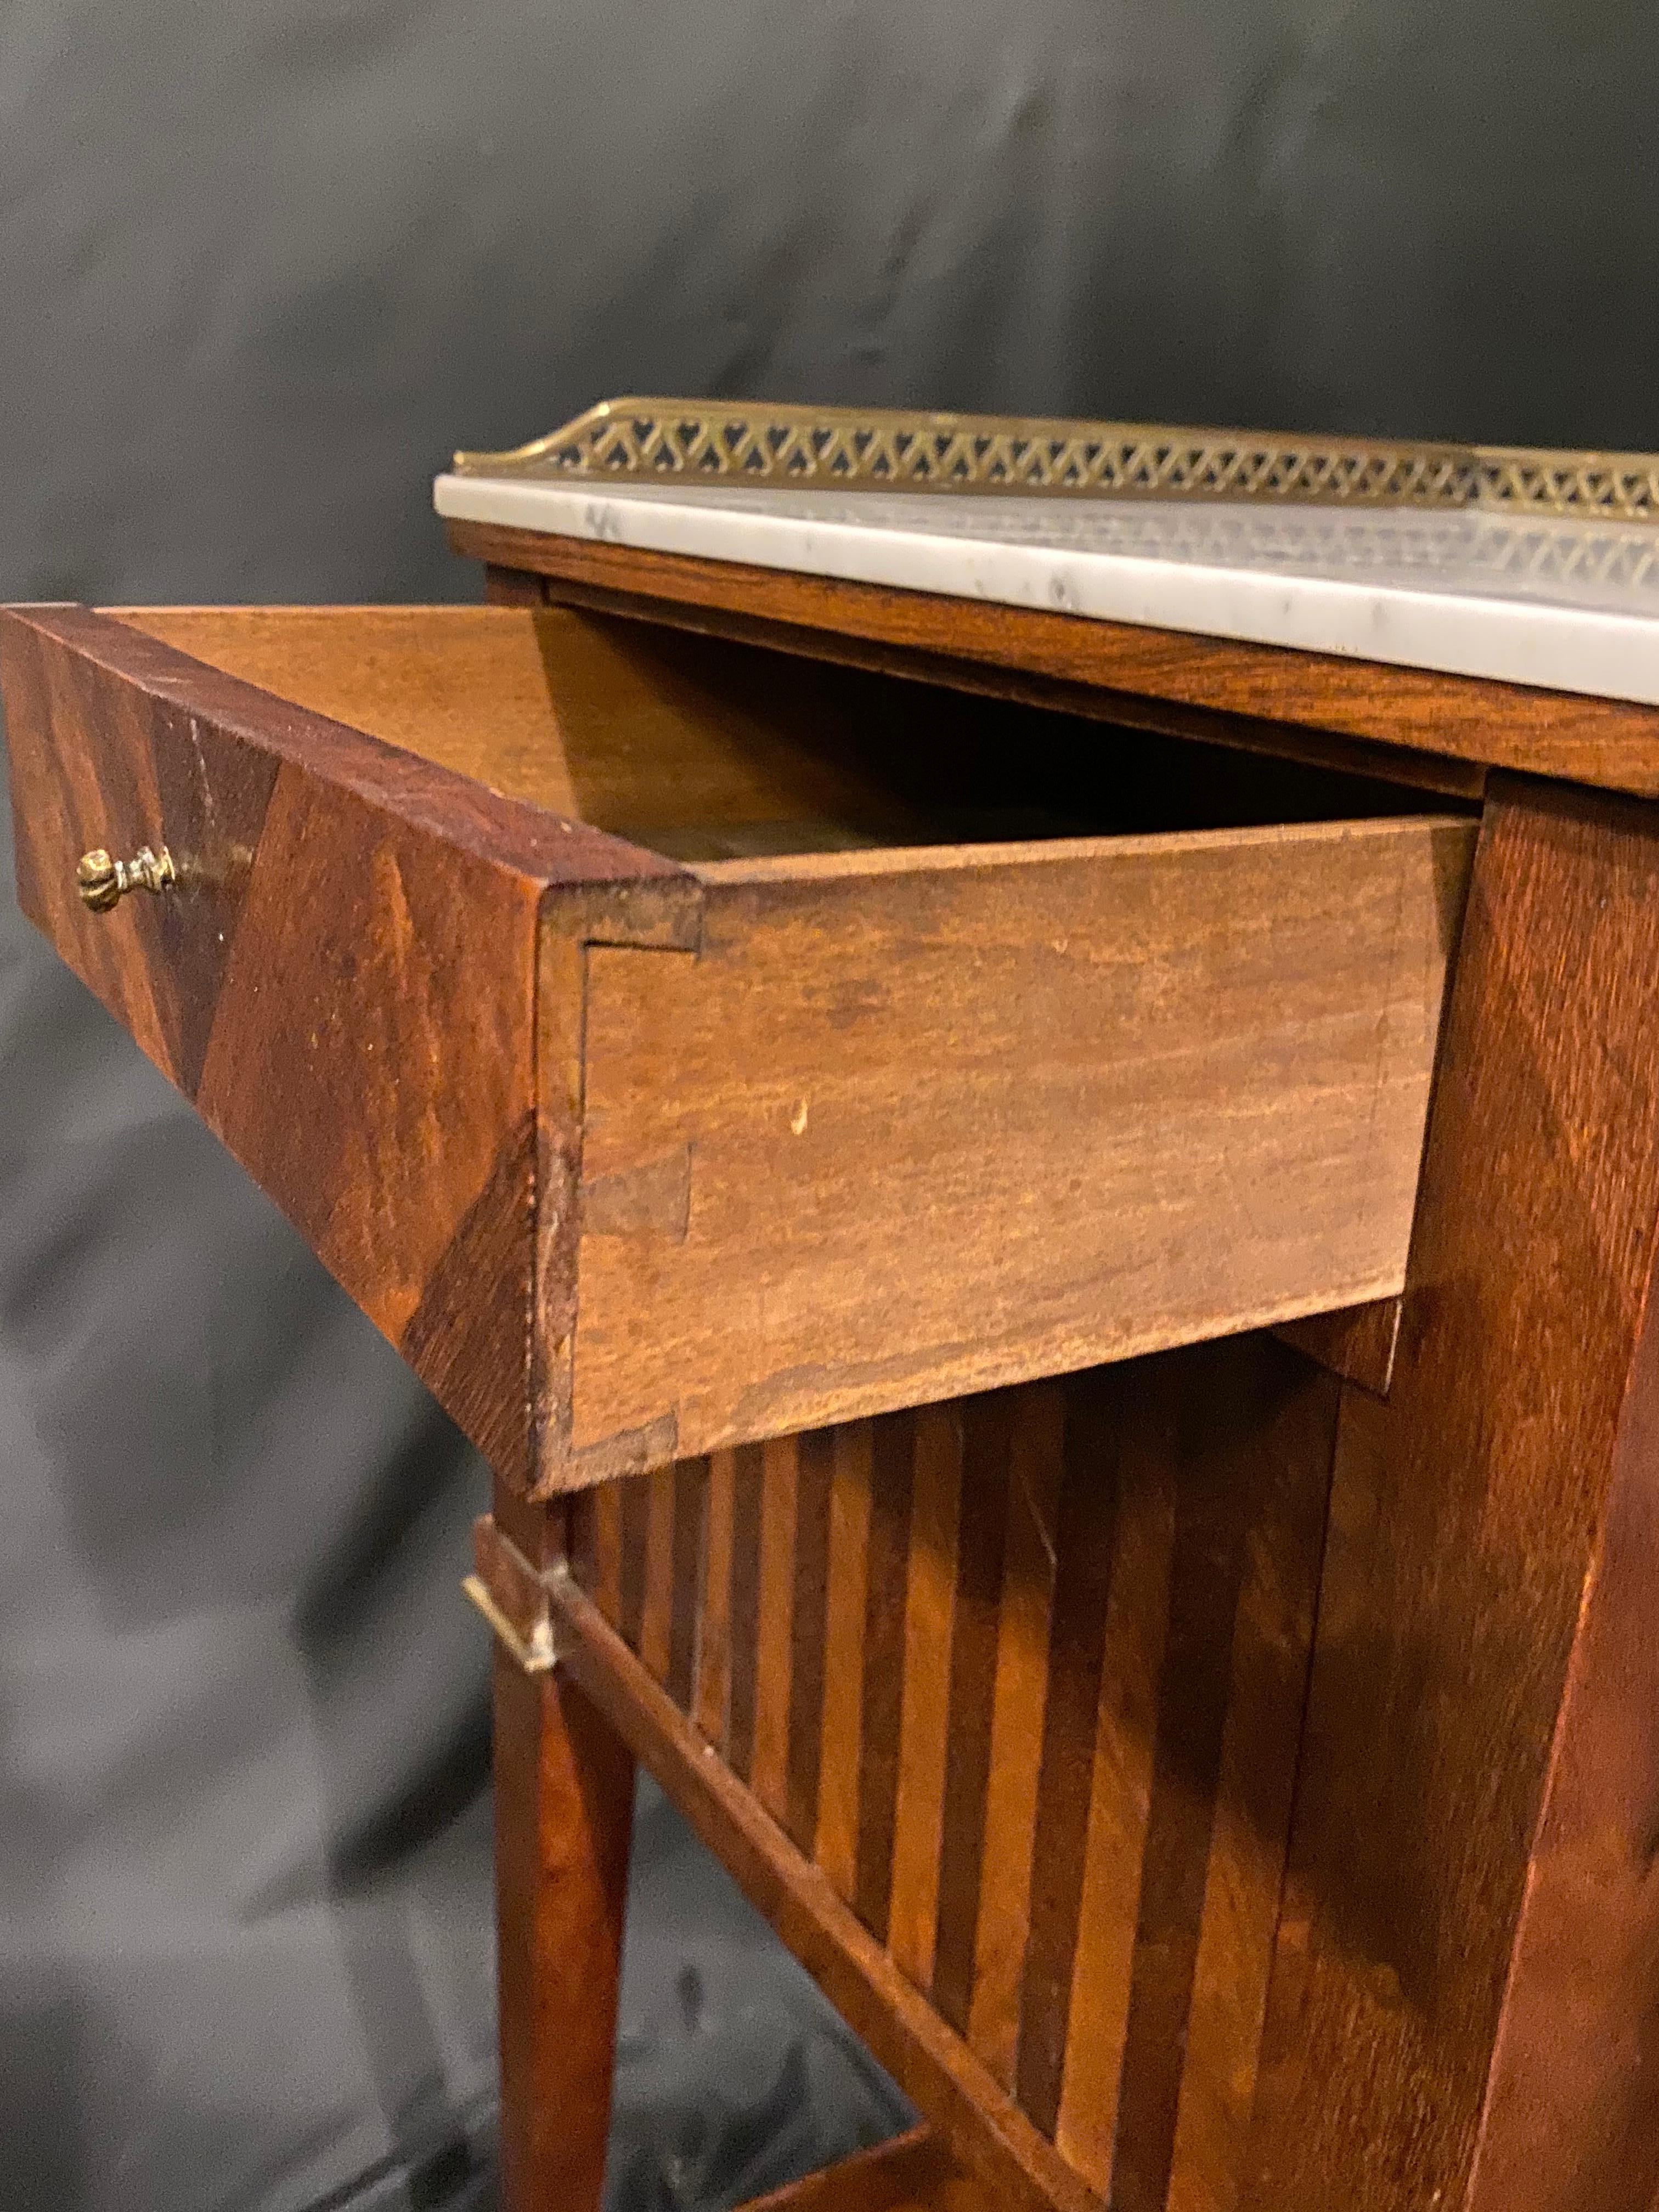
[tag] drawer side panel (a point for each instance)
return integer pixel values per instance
(946, 1123)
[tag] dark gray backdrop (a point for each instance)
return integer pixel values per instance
(261, 266)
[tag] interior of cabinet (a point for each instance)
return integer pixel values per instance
(704, 751)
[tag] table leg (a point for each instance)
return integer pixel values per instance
(564, 1795)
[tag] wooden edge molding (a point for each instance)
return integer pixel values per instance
(976, 2118)
(913, 2172)
(1358, 1343)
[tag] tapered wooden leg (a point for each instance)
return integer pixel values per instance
(564, 1795)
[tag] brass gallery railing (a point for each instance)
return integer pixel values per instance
(746, 442)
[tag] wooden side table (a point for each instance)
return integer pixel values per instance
(897, 1124)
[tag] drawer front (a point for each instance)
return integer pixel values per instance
(341, 976)
(924, 1124)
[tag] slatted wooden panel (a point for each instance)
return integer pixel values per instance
(1024, 1673)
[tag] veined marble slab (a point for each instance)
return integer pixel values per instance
(1569, 605)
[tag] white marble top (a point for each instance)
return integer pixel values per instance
(1570, 605)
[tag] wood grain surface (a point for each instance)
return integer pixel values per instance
(742, 1608)
(994, 1706)
(1124, 1746)
(809, 1634)
(924, 1743)
(774, 1624)
(1571, 2117)
(1253, 1450)
(1084, 1552)
(668, 740)
(979, 2123)
(514, 587)
(656, 1638)
(714, 1684)
(840, 1744)
(1002, 1906)
(1432, 724)
(1472, 1858)
(386, 1096)
(564, 1810)
(880, 1672)
(1120, 1096)
(690, 1534)
(982, 1516)
(1358, 1343)
(1059, 1673)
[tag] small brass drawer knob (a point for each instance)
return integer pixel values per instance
(104, 883)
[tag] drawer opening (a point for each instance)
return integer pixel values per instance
(704, 751)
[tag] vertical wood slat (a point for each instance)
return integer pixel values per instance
(690, 1511)
(1022, 1672)
(657, 1612)
(881, 1697)
(1222, 1475)
(1217, 1424)
(579, 1542)
(714, 1688)
(1271, 1646)
(776, 1624)
(840, 1762)
(1075, 1649)
(982, 2127)
(809, 1634)
(635, 1499)
(924, 1723)
(605, 1520)
(744, 1607)
(1003, 1924)
(981, 1542)
(1120, 1782)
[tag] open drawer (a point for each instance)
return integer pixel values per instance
(670, 1044)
